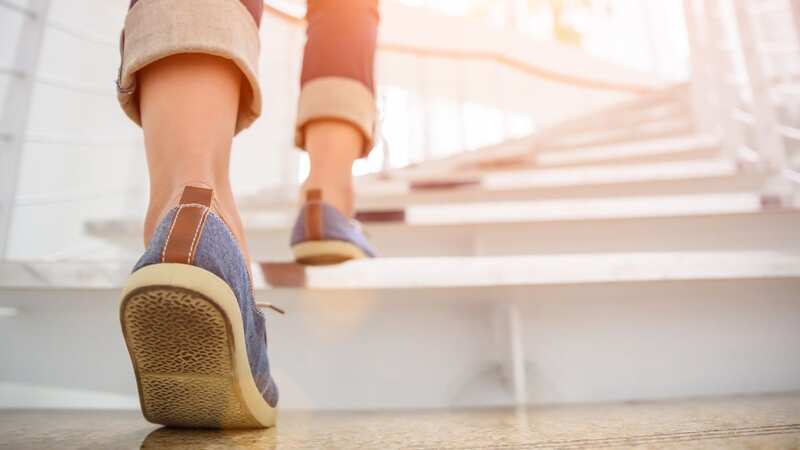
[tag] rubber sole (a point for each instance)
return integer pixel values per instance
(184, 333)
(322, 253)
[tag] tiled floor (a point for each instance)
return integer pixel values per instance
(763, 422)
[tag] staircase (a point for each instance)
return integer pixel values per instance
(619, 256)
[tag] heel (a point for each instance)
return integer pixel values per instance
(183, 330)
(312, 245)
(320, 253)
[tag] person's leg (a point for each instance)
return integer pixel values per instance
(188, 311)
(337, 107)
(189, 105)
(332, 148)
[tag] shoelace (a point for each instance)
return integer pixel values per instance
(270, 306)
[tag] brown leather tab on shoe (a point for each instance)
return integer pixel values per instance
(313, 215)
(187, 226)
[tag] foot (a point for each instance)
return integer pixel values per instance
(197, 342)
(339, 195)
(323, 235)
(163, 201)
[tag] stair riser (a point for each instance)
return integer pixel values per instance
(692, 233)
(720, 185)
(557, 161)
(436, 348)
(725, 232)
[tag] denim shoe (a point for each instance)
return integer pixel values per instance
(195, 336)
(322, 235)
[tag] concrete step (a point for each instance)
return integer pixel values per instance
(709, 176)
(691, 222)
(459, 331)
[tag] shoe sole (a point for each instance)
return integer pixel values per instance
(183, 329)
(322, 253)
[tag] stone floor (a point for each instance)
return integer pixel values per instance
(758, 422)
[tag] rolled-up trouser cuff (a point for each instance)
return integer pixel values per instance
(156, 29)
(337, 98)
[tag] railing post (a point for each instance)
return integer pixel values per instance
(768, 139)
(795, 5)
(463, 90)
(516, 14)
(423, 94)
(16, 111)
(726, 94)
(510, 340)
(699, 84)
(647, 18)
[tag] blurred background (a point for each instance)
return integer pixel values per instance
(80, 160)
(612, 181)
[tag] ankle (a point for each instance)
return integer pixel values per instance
(163, 199)
(223, 205)
(340, 194)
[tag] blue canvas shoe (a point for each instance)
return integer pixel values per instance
(195, 336)
(322, 235)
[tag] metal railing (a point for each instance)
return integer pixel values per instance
(746, 83)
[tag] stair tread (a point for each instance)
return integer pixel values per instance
(508, 212)
(607, 174)
(662, 150)
(577, 209)
(447, 272)
(699, 176)
(686, 146)
(547, 210)
(404, 273)
(523, 146)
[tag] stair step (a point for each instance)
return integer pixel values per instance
(585, 328)
(725, 222)
(661, 129)
(444, 272)
(685, 147)
(581, 209)
(505, 271)
(540, 187)
(516, 148)
(688, 148)
(641, 180)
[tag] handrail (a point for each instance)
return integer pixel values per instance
(773, 139)
(284, 15)
(496, 57)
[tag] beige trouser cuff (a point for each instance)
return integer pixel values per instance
(337, 98)
(155, 29)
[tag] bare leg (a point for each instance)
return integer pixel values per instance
(333, 147)
(189, 105)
